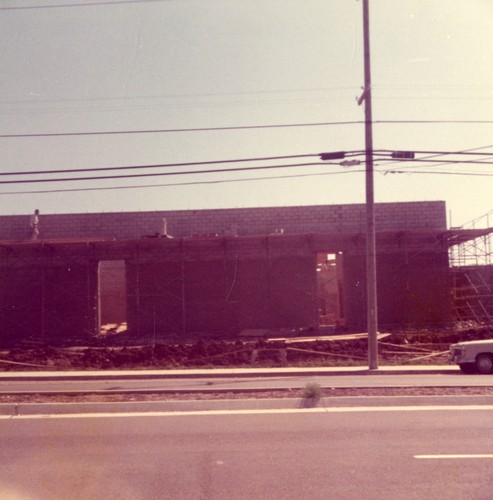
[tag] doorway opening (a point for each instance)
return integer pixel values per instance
(112, 296)
(330, 288)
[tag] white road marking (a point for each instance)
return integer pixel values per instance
(355, 409)
(453, 456)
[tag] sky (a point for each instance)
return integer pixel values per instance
(88, 84)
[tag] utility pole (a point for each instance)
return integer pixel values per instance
(371, 274)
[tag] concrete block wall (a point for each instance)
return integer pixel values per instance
(47, 301)
(307, 219)
(226, 285)
(124, 225)
(413, 290)
(224, 297)
(412, 216)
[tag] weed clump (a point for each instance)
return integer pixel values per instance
(312, 393)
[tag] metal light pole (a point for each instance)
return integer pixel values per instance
(371, 275)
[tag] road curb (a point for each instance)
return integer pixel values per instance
(47, 409)
(220, 373)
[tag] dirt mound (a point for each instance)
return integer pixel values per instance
(398, 348)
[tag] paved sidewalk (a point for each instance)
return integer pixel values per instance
(227, 372)
(95, 409)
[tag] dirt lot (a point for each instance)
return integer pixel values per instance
(417, 347)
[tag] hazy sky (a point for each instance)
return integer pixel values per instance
(131, 66)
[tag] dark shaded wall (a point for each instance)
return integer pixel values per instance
(413, 290)
(256, 290)
(47, 300)
(176, 287)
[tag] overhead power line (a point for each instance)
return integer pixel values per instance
(241, 127)
(161, 165)
(175, 184)
(438, 172)
(161, 174)
(323, 156)
(223, 181)
(331, 156)
(80, 4)
(227, 181)
(238, 93)
(442, 162)
(262, 158)
(178, 130)
(438, 154)
(443, 153)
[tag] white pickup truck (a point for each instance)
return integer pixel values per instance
(473, 356)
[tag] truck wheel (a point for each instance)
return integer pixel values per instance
(467, 368)
(484, 363)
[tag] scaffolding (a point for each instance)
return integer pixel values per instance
(471, 262)
(477, 251)
(473, 294)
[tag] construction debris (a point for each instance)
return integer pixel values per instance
(328, 338)
(329, 350)
(112, 328)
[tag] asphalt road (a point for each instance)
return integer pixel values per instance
(352, 453)
(246, 383)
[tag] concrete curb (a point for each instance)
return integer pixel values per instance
(38, 409)
(219, 373)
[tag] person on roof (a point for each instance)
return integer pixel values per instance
(34, 222)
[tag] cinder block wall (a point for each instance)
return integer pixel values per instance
(222, 297)
(56, 301)
(417, 216)
(413, 290)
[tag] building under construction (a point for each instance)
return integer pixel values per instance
(178, 274)
(471, 262)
